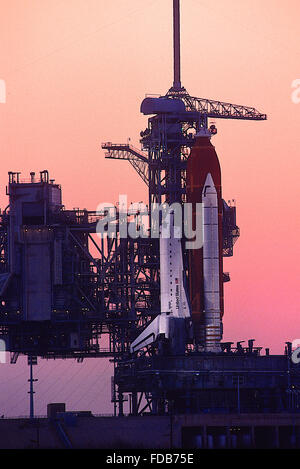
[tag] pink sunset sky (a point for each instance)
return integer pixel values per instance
(76, 72)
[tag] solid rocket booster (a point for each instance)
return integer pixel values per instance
(206, 262)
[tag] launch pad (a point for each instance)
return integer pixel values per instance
(63, 287)
(238, 381)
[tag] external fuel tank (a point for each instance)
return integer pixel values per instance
(203, 181)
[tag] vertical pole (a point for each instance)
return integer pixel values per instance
(31, 362)
(31, 391)
(176, 36)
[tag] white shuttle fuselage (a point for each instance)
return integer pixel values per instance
(171, 322)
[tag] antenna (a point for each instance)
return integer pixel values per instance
(176, 45)
(32, 360)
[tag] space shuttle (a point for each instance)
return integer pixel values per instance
(173, 324)
(194, 313)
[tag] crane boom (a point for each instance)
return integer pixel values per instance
(136, 158)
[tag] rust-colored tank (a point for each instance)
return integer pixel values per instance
(206, 263)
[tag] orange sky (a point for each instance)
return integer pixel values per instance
(76, 72)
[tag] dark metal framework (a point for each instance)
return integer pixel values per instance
(97, 295)
(110, 286)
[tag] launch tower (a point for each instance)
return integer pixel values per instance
(160, 303)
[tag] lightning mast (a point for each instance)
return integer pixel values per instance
(176, 39)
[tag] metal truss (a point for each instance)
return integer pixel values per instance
(222, 110)
(127, 152)
(216, 109)
(111, 294)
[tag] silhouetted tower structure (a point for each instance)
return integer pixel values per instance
(58, 298)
